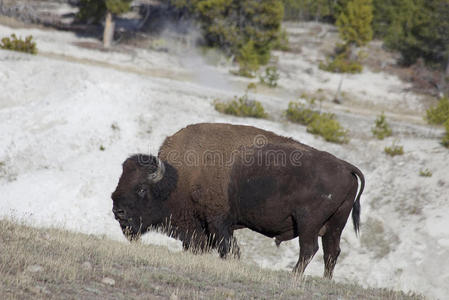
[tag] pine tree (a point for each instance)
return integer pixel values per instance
(91, 11)
(354, 22)
(384, 13)
(235, 24)
(117, 7)
(248, 60)
(416, 28)
(113, 7)
(312, 9)
(96, 10)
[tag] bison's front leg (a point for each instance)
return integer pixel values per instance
(235, 249)
(228, 245)
(221, 238)
(196, 242)
(223, 243)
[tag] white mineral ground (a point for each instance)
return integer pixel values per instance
(58, 108)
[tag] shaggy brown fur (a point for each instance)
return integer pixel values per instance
(222, 177)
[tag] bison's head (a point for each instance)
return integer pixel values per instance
(139, 201)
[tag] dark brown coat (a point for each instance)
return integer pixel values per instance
(215, 178)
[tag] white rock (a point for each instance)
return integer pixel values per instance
(46, 236)
(87, 266)
(34, 268)
(40, 290)
(108, 281)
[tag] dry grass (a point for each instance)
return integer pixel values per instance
(51, 263)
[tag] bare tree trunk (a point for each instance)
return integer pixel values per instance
(108, 34)
(353, 52)
(443, 87)
(337, 94)
(447, 68)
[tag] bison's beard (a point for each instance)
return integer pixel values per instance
(131, 232)
(132, 228)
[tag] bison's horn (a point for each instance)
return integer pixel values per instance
(157, 175)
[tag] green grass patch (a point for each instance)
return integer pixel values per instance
(341, 65)
(242, 107)
(327, 126)
(251, 86)
(341, 62)
(394, 150)
(323, 124)
(381, 128)
(300, 113)
(270, 77)
(438, 114)
(425, 173)
(14, 43)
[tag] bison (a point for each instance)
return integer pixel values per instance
(210, 179)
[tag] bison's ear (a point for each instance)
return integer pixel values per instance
(157, 175)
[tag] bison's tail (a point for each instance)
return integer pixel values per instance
(356, 207)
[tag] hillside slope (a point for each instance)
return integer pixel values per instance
(56, 264)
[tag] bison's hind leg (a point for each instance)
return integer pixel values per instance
(308, 243)
(331, 238)
(308, 246)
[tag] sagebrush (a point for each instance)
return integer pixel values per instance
(270, 77)
(300, 113)
(242, 107)
(342, 61)
(341, 64)
(394, 149)
(425, 173)
(327, 126)
(323, 124)
(15, 43)
(381, 128)
(251, 86)
(438, 114)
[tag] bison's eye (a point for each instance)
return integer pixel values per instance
(141, 192)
